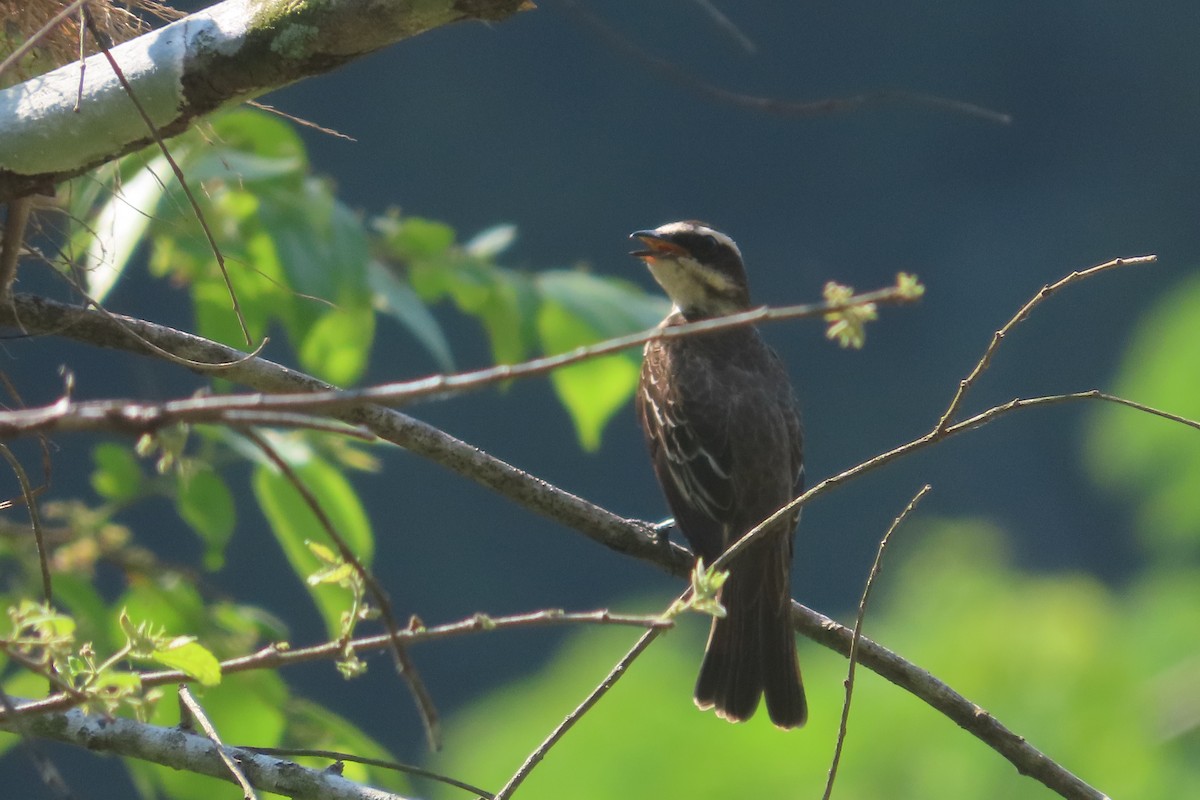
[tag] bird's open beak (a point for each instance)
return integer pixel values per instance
(657, 246)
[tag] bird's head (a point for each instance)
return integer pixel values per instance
(698, 267)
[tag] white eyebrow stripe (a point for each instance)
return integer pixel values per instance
(672, 228)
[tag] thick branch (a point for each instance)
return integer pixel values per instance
(176, 748)
(226, 54)
(40, 315)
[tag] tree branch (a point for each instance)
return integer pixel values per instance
(179, 749)
(223, 55)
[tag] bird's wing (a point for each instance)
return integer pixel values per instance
(693, 460)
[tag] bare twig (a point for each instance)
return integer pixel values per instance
(624, 536)
(966, 383)
(772, 105)
(143, 417)
(35, 520)
(190, 710)
(404, 664)
(16, 218)
(408, 769)
(560, 730)
(857, 635)
(725, 24)
(274, 657)
(1027, 759)
(300, 120)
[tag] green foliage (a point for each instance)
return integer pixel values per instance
(206, 504)
(305, 268)
(849, 325)
(295, 525)
(525, 315)
(1152, 462)
(1079, 670)
(117, 475)
(299, 259)
(578, 309)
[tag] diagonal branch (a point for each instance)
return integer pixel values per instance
(135, 417)
(180, 749)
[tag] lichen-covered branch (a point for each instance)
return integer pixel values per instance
(223, 55)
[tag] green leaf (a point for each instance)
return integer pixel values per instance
(397, 299)
(206, 504)
(258, 133)
(117, 475)
(317, 728)
(191, 658)
(293, 523)
(320, 243)
(580, 309)
(337, 347)
(609, 306)
(168, 603)
(415, 237)
(1152, 461)
(491, 242)
(593, 390)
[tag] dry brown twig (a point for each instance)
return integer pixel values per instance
(277, 656)
(65, 415)
(857, 636)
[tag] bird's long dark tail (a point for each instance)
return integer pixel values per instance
(752, 651)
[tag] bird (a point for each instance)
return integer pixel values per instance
(722, 425)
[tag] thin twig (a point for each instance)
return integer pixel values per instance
(1045, 292)
(624, 536)
(188, 703)
(408, 769)
(857, 636)
(560, 730)
(404, 664)
(141, 417)
(16, 220)
(772, 105)
(35, 521)
(726, 24)
(299, 120)
(274, 657)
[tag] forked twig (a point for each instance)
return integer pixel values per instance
(857, 637)
(404, 662)
(1046, 291)
(189, 711)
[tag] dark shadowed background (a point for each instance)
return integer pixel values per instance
(542, 122)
